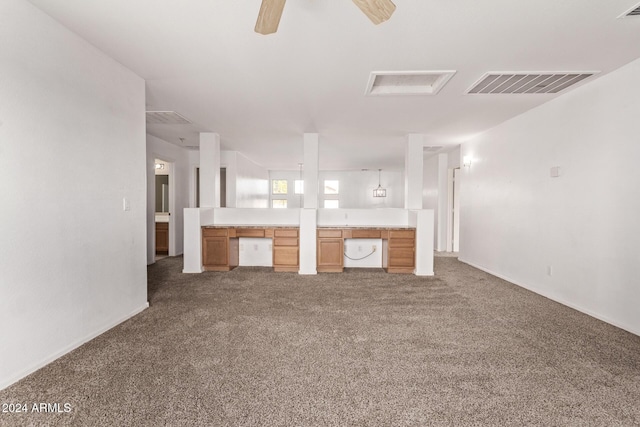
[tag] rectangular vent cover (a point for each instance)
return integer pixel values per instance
(407, 82)
(527, 82)
(634, 12)
(166, 118)
(433, 148)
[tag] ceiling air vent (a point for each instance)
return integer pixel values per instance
(433, 148)
(166, 118)
(633, 12)
(407, 82)
(527, 82)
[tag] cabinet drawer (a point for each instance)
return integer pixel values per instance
(285, 256)
(330, 233)
(285, 232)
(365, 234)
(215, 232)
(401, 257)
(285, 241)
(249, 232)
(402, 234)
(402, 243)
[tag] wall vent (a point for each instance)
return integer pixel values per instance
(633, 12)
(507, 82)
(407, 82)
(166, 118)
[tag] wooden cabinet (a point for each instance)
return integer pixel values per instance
(286, 249)
(220, 249)
(215, 249)
(162, 237)
(401, 251)
(330, 257)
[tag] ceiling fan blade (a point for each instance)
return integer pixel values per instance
(269, 16)
(376, 10)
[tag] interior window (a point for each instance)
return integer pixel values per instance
(331, 186)
(279, 204)
(279, 186)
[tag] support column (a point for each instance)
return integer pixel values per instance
(311, 167)
(309, 212)
(413, 178)
(424, 242)
(443, 190)
(209, 170)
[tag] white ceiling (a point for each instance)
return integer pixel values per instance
(202, 59)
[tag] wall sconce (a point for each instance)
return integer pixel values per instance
(466, 161)
(379, 192)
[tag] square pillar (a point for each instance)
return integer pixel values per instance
(413, 164)
(209, 170)
(311, 166)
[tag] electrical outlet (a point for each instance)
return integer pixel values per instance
(359, 248)
(255, 247)
(549, 270)
(374, 248)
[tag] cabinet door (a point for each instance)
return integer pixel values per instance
(285, 258)
(401, 257)
(330, 254)
(162, 237)
(215, 252)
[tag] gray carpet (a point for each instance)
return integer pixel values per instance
(253, 347)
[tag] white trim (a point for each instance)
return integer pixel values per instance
(70, 347)
(444, 77)
(556, 299)
(626, 13)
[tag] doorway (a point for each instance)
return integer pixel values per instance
(163, 208)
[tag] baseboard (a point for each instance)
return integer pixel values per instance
(69, 348)
(192, 271)
(556, 299)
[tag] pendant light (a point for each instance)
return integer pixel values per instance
(379, 192)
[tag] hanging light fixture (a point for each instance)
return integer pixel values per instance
(379, 192)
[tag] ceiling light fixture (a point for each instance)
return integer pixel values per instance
(379, 192)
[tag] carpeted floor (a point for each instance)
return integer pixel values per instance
(253, 347)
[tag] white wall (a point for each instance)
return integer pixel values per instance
(454, 158)
(72, 261)
(362, 217)
(252, 184)
(294, 201)
(356, 188)
(180, 175)
(517, 221)
(247, 182)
